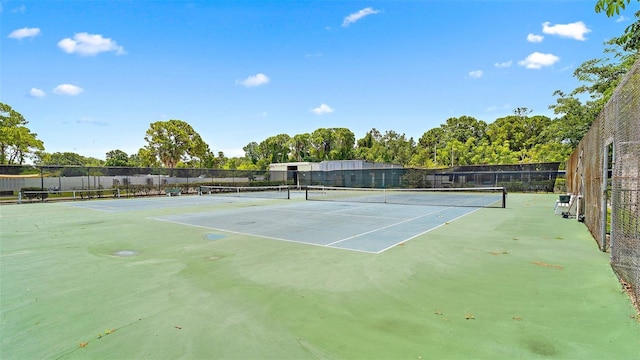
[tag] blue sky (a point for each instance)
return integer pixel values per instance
(90, 76)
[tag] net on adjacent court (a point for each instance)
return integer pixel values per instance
(267, 192)
(42, 195)
(469, 197)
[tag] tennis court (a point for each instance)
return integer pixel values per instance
(361, 227)
(209, 277)
(356, 219)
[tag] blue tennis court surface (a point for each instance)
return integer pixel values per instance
(371, 228)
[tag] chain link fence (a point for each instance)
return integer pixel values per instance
(59, 181)
(53, 182)
(604, 173)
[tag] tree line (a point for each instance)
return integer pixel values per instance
(465, 140)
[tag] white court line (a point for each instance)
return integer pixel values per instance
(125, 204)
(388, 226)
(108, 209)
(333, 213)
(330, 245)
(426, 231)
(350, 208)
(254, 235)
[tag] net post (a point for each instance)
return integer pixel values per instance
(504, 197)
(306, 193)
(20, 197)
(288, 193)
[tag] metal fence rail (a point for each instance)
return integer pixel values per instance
(604, 171)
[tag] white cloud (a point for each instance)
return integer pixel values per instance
(254, 80)
(86, 44)
(494, 108)
(36, 93)
(24, 33)
(534, 38)
(476, 74)
(622, 18)
(358, 15)
(538, 60)
(233, 152)
(67, 89)
(567, 68)
(574, 30)
(505, 64)
(91, 122)
(20, 9)
(322, 109)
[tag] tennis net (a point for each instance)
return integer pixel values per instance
(456, 197)
(42, 195)
(267, 192)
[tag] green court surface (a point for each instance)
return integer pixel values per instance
(82, 280)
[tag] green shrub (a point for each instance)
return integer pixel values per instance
(561, 185)
(512, 186)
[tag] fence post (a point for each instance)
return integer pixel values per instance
(603, 198)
